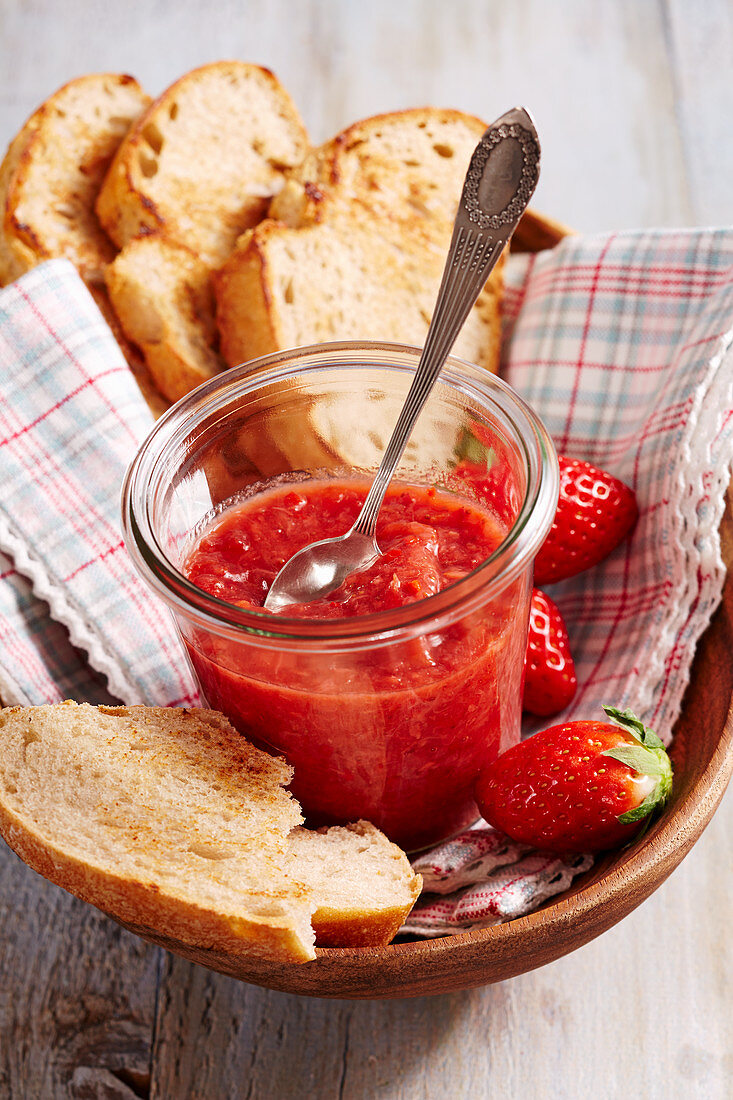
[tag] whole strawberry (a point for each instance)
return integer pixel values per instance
(594, 513)
(549, 671)
(578, 787)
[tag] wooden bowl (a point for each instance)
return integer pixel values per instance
(702, 753)
(616, 884)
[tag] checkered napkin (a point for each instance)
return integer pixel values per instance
(75, 619)
(621, 344)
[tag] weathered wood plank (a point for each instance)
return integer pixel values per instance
(597, 77)
(77, 995)
(642, 1011)
(700, 42)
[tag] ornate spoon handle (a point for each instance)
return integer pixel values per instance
(501, 179)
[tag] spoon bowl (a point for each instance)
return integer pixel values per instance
(322, 567)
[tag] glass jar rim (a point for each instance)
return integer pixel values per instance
(511, 557)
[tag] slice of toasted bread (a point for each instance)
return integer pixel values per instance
(338, 280)
(53, 170)
(355, 244)
(331, 863)
(162, 295)
(204, 160)
(354, 249)
(403, 170)
(169, 820)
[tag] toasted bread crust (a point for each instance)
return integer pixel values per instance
(355, 244)
(238, 117)
(284, 288)
(242, 289)
(170, 821)
(151, 186)
(54, 169)
(134, 902)
(10, 265)
(344, 916)
(354, 250)
(164, 302)
(354, 165)
(335, 929)
(392, 177)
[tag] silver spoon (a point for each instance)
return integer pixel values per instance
(500, 181)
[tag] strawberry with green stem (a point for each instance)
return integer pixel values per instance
(584, 786)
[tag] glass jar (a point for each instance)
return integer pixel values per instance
(388, 716)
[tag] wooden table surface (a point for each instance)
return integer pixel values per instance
(634, 102)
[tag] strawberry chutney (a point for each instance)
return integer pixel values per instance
(394, 733)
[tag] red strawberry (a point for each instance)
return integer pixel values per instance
(594, 513)
(578, 787)
(549, 671)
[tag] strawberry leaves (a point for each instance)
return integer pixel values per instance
(647, 757)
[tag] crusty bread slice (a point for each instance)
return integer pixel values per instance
(337, 280)
(169, 820)
(354, 249)
(53, 170)
(11, 266)
(401, 173)
(355, 244)
(349, 912)
(204, 161)
(162, 295)
(403, 170)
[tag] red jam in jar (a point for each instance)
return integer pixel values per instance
(390, 729)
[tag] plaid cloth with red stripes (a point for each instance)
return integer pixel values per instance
(622, 343)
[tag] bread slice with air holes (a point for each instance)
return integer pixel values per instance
(200, 166)
(285, 288)
(204, 161)
(354, 249)
(162, 295)
(355, 243)
(405, 170)
(52, 173)
(170, 821)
